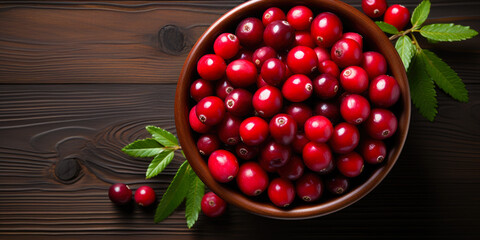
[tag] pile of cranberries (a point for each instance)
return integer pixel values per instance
(291, 105)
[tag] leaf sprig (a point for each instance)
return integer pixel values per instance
(425, 69)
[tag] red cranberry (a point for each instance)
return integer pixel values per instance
(381, 124)
(303, 38)
(397, 15)
(144, 196)
(212, 205)
(302, 60)
(275, 154)
(299, 142)
(354, 109)
(329, 67)
(300, 18)
(281, 192)
(120, 194)
(374, 64)
(250, 32)
(263, 54)
(328, 169)
(241, 73)
(195, 124)
(325, 86)
(279, 35)
(337, 185)
(326, 29)
(384, 91)
(239, 102)
(223, 165)
(317, 156)
(373, 151)
(354, 36)
(273, 14)
(345, 138)
(207, 144)
(211, 67)
(265, 164)
(293, 169)
(350, 164)
(322, 54)
(267, 101)
(226, 45)
(374, 8)
(309, 187)
(260, 82)
(318, 129)
(223, 88)
(228, 130)
(245, 151)
(200, 89)
(244, 54)
(210, 110)
(354, 79)
(346, 52)
(300, 112)
(297, 88)
(273, 72)
(253, 131)
(329, 110)
(252, 179)
(283, 128)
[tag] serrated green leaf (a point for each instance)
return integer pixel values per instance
(420, 13)
(164, 137)
(444, 76)
(175, 194)
(422, 89)
(388, 28)
(194, 199)
(405, 49)
(159, 163)
(447, 32)
(143, 148)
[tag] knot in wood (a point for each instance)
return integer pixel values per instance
(171, 40)
(67, 169)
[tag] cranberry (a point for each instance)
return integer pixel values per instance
(299, 142)
(397, 15)
(244, 54)
(373, 151)
(328, 169)
(223, 88)
(263, 54)
(329, 110)
(250, 32)
(207, 144)
(374, 8)
(239, 102)
(226, 45)
(354, 109)
(211, 67)
(260, 82)
(265, 164)
(325, 86)
(309, 187)
(241, 73)
(345, 138)
(281, 192)
(210, 110)
(322, 54)
(302, 60)
(381, 124)
(297, 88)
(223, 165)
(245, 151)
(318, 129)
(293, 169)
(267, 101)
(354, 36)
(228, 130)
(346, 52)
(354, 79)
(144, 196)
(273, 14)
(252, 179)
(350, 164)
(200, 89)
(317, 156)
(273, 72)
(300, 17)
(337, 185)
(303, 38)
(120, 194)
(326, 29)
(374, 64)
(279, 35)
(195, 124)
(275, 154)
(329, 67)
(283, 128)
(212, 205)
(253, 131)
(384, 91)
(300, 112)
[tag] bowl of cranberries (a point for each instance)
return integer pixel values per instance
(292, 109)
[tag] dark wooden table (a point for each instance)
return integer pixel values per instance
(79, 80)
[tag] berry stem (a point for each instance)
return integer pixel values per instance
(415, 42)
(402, 33)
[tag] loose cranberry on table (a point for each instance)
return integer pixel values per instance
(212, 205)
(300, 17)
(345, 138)
(346, 52)
(279, 35)
(267, 101)
(374, 64)
(297, 88)
(384, 91)
(326, 29)
(239, 102)
(350, 164)
(293, 169)
(223, 165)
(210, 110)
(283, 128)
(226, 45)
(397, 15)
(309, 187)
(325, 86)
(273, 72)
(120, 194)
(300, 112)
(211, 67)
(355, 109)
(381, 124)
(273, 14)
(253, 131)
(201, 88)
(207, 144)
(144, 196)
(373, 151)
(374, 8)
(263, 54)
(281, 192)
(354, 79)
(250, 32)
(252, 179)
(317, 156)
(241, 73)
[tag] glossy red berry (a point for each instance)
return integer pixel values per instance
(374, 64)
(252, 179)
(318, 129)
(302, 60)
(279, 35)
(303, 38)
(384, 91)
(275, 154)
(325, 86)
(281, 192)
(267, 101)
(345, 138)
(329, 110)
(317, 156)
(326, 29)
(120, 194)
(260, 82)
(346, 52)
(374, 8)
(223, 165)
(241, 73)
(246, 152)
(329, 67)
(354, 109)
(354, 36)
(322, 54)
(337, 185)
(226, 45)
(239, 102)
(263, 54)
(210, 110)
(350, 164)
(381, 124)
(273, 72)
(229, 130)
(299, 142)
(253, 131)
(250, 32)
(297, 88)
(397, 15)
(300, 17)
(283, 128)
(244, 54)
(309, 187)
(373, 151)
(293, 169)
(211, 67)
(195, 124)
(300, 112)
(207, 144)
(144, 196)
(273, 14)
(354, 79)
(201, 88)
(223, 88)
(212, 205)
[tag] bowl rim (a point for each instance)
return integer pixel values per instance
(198, 164)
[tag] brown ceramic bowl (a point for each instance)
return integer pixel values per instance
(374, 39)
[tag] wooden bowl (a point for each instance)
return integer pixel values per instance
(374, 39)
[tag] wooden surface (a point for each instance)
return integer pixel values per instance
(79, 80)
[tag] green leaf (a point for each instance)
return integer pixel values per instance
(422, 89)
(444, 76)
(387, 27)
(405, 49)
(420, 13)
(143, 148)
(176, 192)
(194, 199)
(447, 32)
(164, 137)
(159, 163)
